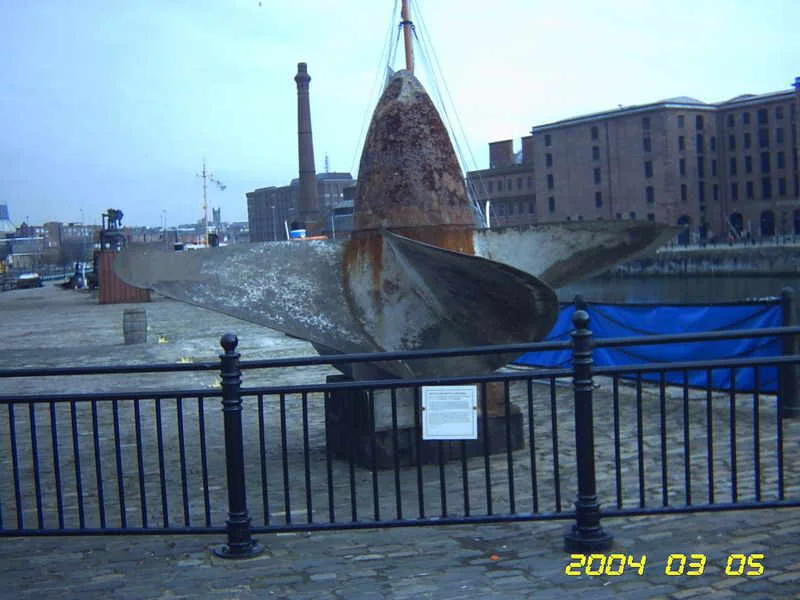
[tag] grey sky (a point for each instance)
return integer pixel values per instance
(110, 104)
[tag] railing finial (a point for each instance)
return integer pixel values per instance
(229, 341)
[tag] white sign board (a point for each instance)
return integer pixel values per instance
(450, 412)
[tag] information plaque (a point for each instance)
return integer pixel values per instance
(450, 412)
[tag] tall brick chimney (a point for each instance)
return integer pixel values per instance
(501, 154)
(308, 197)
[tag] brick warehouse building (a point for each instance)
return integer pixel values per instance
(270, 208)
(727, 168)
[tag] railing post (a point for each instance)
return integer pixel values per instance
(586, 535)
(240, 542)
(579, 302)
(789, 374)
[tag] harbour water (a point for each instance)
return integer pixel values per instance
(689, 289)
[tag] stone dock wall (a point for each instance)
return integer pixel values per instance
(716, 260)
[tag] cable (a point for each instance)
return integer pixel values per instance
(378, 83)
(457, 130)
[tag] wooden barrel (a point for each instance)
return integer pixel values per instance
(134, 325)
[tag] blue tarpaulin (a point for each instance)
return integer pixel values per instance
(632, 320)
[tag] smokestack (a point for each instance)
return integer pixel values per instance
(308, 197)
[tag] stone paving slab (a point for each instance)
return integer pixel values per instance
(520, 560)
(49, 327)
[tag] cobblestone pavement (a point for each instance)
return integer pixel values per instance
(713, 555)
(485, 561)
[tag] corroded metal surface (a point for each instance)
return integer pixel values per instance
(561, 253)
(293, 287)
(409, 175)
(409, 295)
(417, 272)
(420, 296)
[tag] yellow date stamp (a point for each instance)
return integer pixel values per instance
(675, 565)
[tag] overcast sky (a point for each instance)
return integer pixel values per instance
(112, 104)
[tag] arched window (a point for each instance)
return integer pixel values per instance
(683, 236)
(767, 223)
(737, 222)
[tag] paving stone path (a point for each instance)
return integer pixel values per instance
(51, 327)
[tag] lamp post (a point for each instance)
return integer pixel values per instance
(83, 238)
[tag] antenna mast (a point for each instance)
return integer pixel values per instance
(205, 175)
(408, 29)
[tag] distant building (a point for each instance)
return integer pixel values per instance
(508, 184)
(271, 210)
(7, 231)
(723, 169)
(25, 230)
(341, 216)
(238, 232)
(6, 226)
(58, 234)
(267, 211)
(140, 234)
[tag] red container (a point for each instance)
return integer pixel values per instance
(112, 289)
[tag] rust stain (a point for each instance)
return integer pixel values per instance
(410, 184)
(456, 238)
(409, 175)
(364, 247)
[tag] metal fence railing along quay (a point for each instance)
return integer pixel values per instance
(621, 440)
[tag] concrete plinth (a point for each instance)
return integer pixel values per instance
(363, 433)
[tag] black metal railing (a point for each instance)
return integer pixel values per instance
(349, 454)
